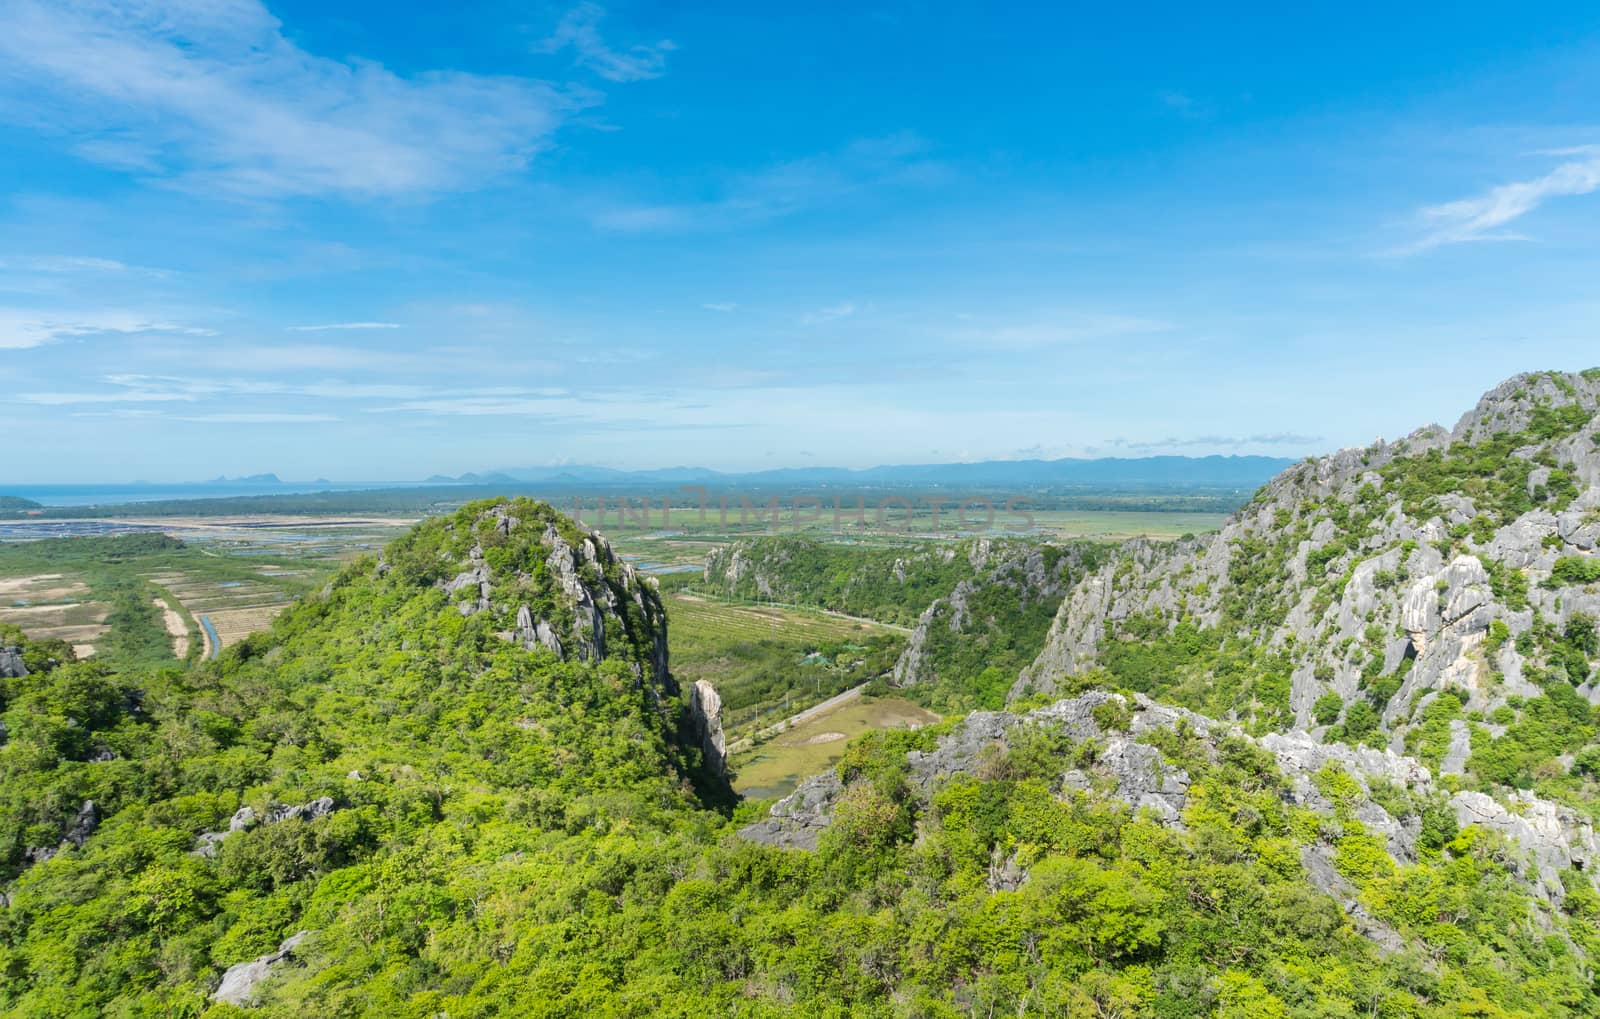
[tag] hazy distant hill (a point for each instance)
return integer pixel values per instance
(1153, 471)
(248, 479)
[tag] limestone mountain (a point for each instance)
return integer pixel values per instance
(979, 609)
(1437, 593)
(1358, 822)
(993, 620)
(500, 659)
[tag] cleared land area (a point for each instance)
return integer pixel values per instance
(777, 765)
(769, 662)
(235, 607)
(701, 616)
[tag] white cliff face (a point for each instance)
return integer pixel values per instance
(705, 707)
(1377, 574)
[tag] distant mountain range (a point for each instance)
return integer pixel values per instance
(1151, 471)
(248, 479)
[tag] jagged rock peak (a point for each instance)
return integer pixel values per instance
(705, 711)
(540, 580)
(1383, 577)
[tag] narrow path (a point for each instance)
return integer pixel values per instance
(813, 712)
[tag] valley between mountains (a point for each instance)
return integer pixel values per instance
(1339, 758)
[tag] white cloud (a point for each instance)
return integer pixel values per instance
(20, 330)
(1481, 218)
(265, 358)
(720, 306)
(829, 314)
(1292, 440)
(344, 325)
(217, 97)
(580, 29)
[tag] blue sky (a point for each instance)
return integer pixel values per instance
(378, 241)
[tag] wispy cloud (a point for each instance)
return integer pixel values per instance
(115, 396)
(69, 264)
(344, 325)
(831, 313)
(289, 357)
(1058, 330)
(266, 418)
(580, 30)
(1272, 439)
(134, 388)
(787, 188)
(216, 97)
(532, 403)
(719, 306)
(1481, 218)
(20, 330)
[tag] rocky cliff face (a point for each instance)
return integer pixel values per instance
(1113, 750)
(1461, 560)
(1012, 589)
(549, 584)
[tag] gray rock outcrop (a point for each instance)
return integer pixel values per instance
(1550, 839)
(246, 818)
(241, 983)
(11, 664)
(84, 824)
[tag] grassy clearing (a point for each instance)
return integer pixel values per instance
(701, 617)
(769, 662)
(1121, 525)
(775, 767)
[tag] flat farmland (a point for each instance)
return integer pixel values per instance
(1119, 525)
(234, 606)
(54, 606)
